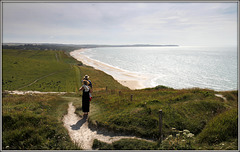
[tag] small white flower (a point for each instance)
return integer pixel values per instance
(177, 135)
(170, 136)
(173, 128)
(187, 131)
(190, 135)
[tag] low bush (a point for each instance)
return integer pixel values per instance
(125, 144)
(223, 127)
(178, 140)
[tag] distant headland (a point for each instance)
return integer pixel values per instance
(134, 45)
(57, 46)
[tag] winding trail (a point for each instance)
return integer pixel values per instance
(82, 135)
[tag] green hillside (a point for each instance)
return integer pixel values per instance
(192, 118)
(47, 71)
(196, 110)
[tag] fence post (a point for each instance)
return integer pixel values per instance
(160, 126)
(106, 88)
(119, 93)
(131, 97)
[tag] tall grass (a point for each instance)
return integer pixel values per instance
(223, 127)
(125, 144)
(33, 122)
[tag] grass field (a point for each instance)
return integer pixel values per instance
(190, 116)
(48, 71)
(51, 69)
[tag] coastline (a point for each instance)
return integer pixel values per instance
(129, 79)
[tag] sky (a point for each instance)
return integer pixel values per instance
(185, 24)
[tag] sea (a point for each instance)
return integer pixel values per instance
(176, 67)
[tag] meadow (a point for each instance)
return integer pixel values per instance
(192, 118)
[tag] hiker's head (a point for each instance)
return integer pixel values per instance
(86, 77)
(85, 82)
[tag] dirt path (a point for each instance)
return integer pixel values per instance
(34, 92)
(37, 80)
(57, 57)
(81, 134)
(221, 96)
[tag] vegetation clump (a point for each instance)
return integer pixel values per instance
(223, 127)
(125, 144)
(179, 140)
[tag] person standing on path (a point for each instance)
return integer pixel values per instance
(86, 77)
(85, 96)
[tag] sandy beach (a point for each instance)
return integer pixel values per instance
(129, 79)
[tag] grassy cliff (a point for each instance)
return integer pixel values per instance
(197, 110)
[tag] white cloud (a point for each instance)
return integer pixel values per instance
(121, 23)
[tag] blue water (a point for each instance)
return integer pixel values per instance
(176, 67)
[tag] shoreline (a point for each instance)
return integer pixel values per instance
(129, 79)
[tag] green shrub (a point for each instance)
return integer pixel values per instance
(125, 144)
(221, 128)
(159, 87)
(178, 140)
